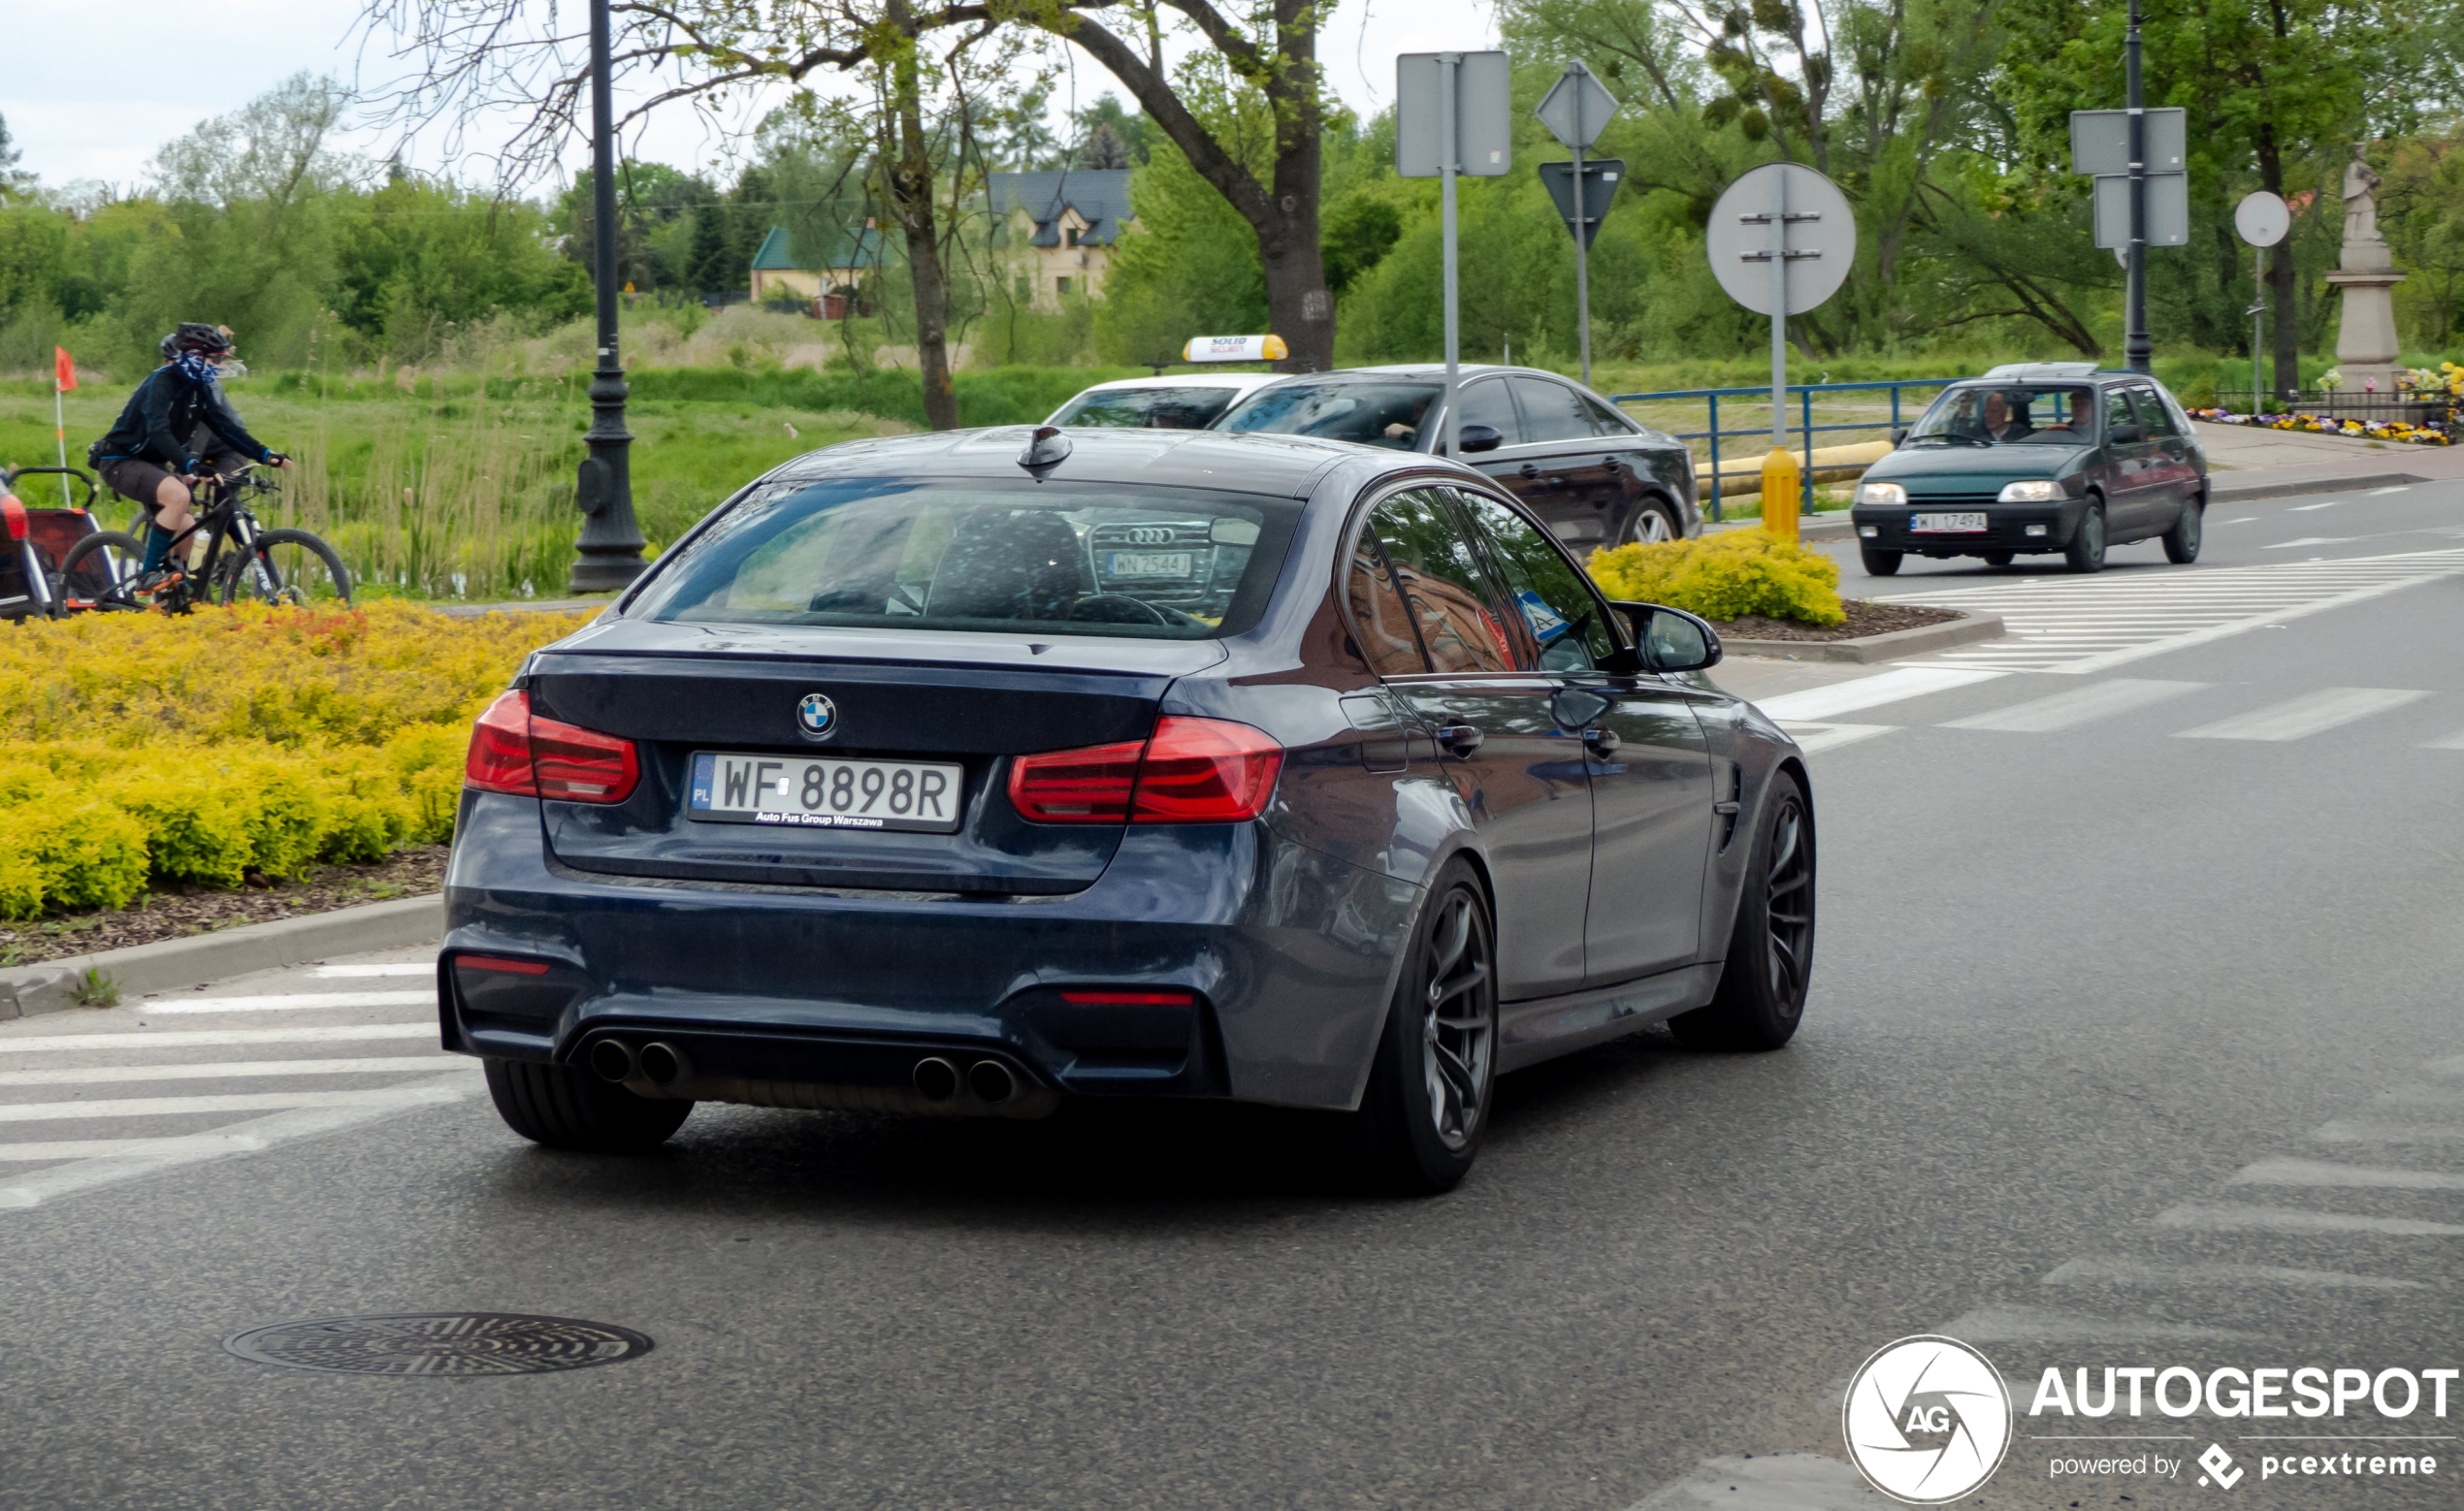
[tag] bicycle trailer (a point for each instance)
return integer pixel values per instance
(38, 540)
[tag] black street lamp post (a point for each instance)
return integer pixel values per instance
(608, 554)
(2137, 350)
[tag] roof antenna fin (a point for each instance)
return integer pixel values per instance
(1046, 449)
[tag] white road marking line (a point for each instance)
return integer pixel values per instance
(236, 1070)
(2453, 742)
(2321, 1172)
(200, 1038)
(394, 968)
(2305, 508)
(1817, 706)
(1766, 1482)
(2286, 1220)
(2446, 1097)
(2019, 1324)
(289, 1002)
(127, 1148)
(1811, 738)
(2355, 1131)
(2132, 1272)
(260, 1133)
(237, 1102)
(2238, 519)
(2381, 493)
(2309, 540)
(2160, 611)
(2448, 1067)
(2079, 706)
(2312, 713)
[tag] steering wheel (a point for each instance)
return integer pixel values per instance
(1116, 608)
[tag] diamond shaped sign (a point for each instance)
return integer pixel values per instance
(1577, 108)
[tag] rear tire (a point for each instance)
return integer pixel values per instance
(565, 1106)
(1651, 523)
(1761, 994)
(86, 559)
(2182, 541)
(1879, 563)
(1426, 1108)
(2086, 551)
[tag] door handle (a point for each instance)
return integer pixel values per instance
(1603, 742)
(1528, 469)
(1725, 810)
(1460, 739)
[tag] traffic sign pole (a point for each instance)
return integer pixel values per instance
(1575, 110)
(1447, 152)
(2138, 351)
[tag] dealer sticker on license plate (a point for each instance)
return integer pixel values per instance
(823, 793)
(1937, 522)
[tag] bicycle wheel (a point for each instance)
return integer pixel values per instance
(88, 579)
(287, 566)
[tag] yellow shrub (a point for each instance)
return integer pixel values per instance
(1725, 576)
(193, 751)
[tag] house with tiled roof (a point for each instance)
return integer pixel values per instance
(1056, 230)
(847, 258)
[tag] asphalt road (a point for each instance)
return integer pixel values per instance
(2131, 991)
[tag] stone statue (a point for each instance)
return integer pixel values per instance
(2361, 205)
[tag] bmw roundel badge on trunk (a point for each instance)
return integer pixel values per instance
(817, 716)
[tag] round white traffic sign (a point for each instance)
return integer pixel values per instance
(1821, 237)
(2262, 218)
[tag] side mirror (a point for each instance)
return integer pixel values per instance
(1671, 639)
(1900, 436)
(2126, 435)
(1478, 437)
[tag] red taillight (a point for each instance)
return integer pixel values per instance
(515, 751)
(1191, 771)
(1205, 771)
(14, 512)
(1089, 786)
(1130, 999)
(501, 963)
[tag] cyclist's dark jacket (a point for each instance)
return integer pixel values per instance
(161, 420)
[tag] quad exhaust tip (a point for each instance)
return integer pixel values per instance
(991, 1082)
(936, 1079)
(613, 1060)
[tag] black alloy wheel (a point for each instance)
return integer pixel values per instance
(1762, 993)
(2182, 541)
(2086, 551)
(1878, 562)
(1421, 1120)
(568, 1107)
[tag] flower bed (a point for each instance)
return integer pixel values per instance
(1726, 577)
(2329, 425)
(138, 750)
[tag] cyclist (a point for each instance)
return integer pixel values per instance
(176, 426)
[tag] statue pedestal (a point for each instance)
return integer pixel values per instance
(2365, 332)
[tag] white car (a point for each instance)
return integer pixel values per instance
(1183, 401)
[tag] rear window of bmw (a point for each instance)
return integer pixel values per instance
(1142, 561)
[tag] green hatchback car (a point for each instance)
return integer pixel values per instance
(2037, 458)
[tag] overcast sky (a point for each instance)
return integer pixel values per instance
(86, 106)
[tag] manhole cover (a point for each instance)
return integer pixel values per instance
(440, 1343)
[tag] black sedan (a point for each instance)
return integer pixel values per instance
(2036, 458)
(1590, 471)
(962, 774)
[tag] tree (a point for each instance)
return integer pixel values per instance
(13, 180)
(273, 149)
(1108, 116)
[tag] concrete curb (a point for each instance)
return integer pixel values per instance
(175, 964)
(1831, 525)
(2251, 493)
(1888, 647)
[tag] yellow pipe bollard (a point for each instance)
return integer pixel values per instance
(1780, 479)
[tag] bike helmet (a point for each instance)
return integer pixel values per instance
(194, 338)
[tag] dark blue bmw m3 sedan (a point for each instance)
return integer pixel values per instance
(963, 774)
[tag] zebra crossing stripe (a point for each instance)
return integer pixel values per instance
(2310, 714)
(2081, 625)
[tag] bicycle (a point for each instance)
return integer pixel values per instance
(244, 562)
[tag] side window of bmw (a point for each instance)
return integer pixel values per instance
(1381, 623)
(1444, 588)
(1565, 617)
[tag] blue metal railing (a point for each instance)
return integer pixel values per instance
(1807, 427)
